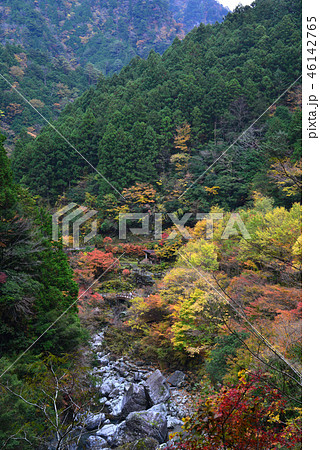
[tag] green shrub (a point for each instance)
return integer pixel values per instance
(225, 348)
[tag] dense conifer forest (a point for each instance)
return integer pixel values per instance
(53, 51)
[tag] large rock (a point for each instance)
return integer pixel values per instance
(93, 421)
(116, 406)
(107, 386)
(157, 388)
(96, 442)
(143, 424)
(135, 399)
(177, 378)
(109, 433)
(160, 407)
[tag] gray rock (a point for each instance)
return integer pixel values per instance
(121, 369)
(157, 388)
(93, 421)
(99, 370)
(142, 444)
(134, 400)
(103, 359)
(96, 442)
(116, 407)
(115, 392)
(137, 376)
(143, 424)
(173, 422)
(97, 340)
(177, 378)
(106, 387)
(160, 407)
(109, 433)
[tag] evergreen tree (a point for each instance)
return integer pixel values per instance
(36, 282)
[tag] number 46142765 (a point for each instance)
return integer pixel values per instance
(311, 44)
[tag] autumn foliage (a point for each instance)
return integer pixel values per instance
(90, 265)
(248, 415)
(126, 248)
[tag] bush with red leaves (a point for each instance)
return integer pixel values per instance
(250, 415)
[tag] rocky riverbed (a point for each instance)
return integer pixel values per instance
(138, 405)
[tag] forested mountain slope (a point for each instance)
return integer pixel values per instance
(48, 83)
(106, 33)
(204, 90)
(53, 50)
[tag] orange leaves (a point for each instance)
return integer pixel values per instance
(140, 43)
(100, 261)
(126, 272)
(90, 265)
(88, 300)
(132, 249)
(273, 308)
(147, 310)
(13, 109)
(262, 301)
(181, 140)
(37, 103)
(127, 248)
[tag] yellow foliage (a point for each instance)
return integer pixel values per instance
(21, 59)
(297, 251)
(212, 190)
(140, 193)
(287, 175)
(180, 161)
(182, 137)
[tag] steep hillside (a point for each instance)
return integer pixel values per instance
(106, 33)
(48, 83)
(57, 38)
(176, 113)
